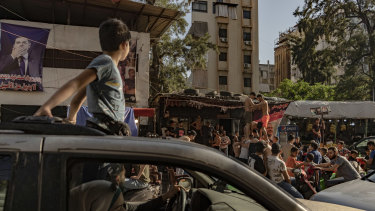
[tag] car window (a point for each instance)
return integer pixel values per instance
(151, 183)
(5, 175)
(364, 142)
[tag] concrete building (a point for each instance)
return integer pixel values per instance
(74, 41)
(266, 77)
(233, 26)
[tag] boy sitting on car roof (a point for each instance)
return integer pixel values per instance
(100, 82)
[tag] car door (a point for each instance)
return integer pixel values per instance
(19, 172)
(60, 153)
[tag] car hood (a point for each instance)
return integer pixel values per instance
(356, 193)
(319, 206)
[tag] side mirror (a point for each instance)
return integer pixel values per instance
(185, 182)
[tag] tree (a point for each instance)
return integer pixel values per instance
(174, 54)
(304, 91)
(348, 28)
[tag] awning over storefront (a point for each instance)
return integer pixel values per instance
(149, 112)
(339, 110)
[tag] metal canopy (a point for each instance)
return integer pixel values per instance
(139, 17)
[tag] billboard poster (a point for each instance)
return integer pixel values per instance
(128, 69)
(276, 111)
(21, 57)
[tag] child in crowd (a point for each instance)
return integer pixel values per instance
(100, 82)
(292, 162)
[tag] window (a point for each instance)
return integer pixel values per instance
(223, 80)
(246, 14)
(223, 33)
(247, 59)
(200, 6)
(223, 56)
(246, 36)
(247, 82)
(155, 177)
(213, 7)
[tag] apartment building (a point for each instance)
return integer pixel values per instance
(233, 26)
(266, 77)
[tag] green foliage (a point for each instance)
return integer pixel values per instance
(174, 54)
(304, 91)
(347, 27)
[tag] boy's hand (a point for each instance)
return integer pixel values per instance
(43, 112)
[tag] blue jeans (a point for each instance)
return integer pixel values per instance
(290, 189)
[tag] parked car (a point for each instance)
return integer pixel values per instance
(37, 169)
(361, 145)
(358, 193)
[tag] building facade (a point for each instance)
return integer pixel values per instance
(266, 77)
(233, 26)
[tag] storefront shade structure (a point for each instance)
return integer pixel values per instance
(338, 110)
(363, 110)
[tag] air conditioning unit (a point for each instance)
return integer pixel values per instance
(247, 42)
(223, 39)
(246, 65)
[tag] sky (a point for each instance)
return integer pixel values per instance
(275, 16)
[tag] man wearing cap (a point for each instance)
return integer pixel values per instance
(278, 172)
(99, 195)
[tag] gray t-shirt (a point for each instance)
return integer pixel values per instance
(345, 169)
(105, 95)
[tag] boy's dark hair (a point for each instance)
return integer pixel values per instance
(112, 33)
(253, 94)
(371, 143)
(259, 125)
(294, 149)
(310, 156)
(290, 137)
(275, 137)
(324, 149)
(260, 95)
(314, 145)
(341, 142)
(260, 146)
(334, 149)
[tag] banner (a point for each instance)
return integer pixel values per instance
(128, 69)
(276, 112)
(21, 57)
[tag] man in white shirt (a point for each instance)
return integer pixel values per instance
(278, 172)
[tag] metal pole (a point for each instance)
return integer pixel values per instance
(366, 127)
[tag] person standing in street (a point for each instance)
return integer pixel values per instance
(225, 142)
(278, 172)
(317, 130)
(287, 147)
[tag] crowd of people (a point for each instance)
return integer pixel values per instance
(263, 152)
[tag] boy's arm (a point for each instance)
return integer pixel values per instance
(82, 80)
(76, 104)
